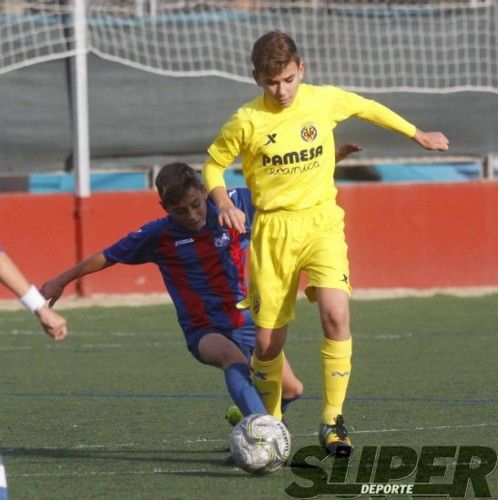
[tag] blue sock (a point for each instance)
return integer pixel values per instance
(242, 390)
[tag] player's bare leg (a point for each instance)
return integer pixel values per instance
(216, 350)
(336, 368)
(292, 387)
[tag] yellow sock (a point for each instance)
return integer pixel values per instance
(336, 369)
(268, 381)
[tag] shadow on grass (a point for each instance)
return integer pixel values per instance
(175, 458)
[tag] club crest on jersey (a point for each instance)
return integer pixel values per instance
(309, 132)
(222, 241)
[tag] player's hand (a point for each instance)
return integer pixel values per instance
(434, 141)
(52, 290)
(345, 150)
(52, 323)
(232, 218)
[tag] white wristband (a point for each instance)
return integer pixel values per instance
(32, 299)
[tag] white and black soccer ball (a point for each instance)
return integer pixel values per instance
(260, 444)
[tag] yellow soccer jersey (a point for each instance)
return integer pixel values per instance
(288, 154)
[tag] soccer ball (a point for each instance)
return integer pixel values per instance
(260, 444)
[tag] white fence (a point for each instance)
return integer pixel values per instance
(373, 46)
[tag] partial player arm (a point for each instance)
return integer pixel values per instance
(230, 142)
(344, 150)
(10, 275)
(54, 288)
(434, 141)
(368, 109)
(229, 215)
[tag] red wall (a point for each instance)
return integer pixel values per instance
(422, 236)
(42, 234)
(108, 217)
(412, 236)
(38, 233)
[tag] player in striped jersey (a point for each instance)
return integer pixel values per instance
(202, 265)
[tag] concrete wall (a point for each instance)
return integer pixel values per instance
(413, 235)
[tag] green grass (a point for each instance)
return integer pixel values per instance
(122, 410)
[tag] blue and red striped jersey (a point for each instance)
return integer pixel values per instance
(203, 270)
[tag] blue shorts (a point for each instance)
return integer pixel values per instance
(244, 338)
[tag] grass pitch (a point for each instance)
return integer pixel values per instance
(122, 410)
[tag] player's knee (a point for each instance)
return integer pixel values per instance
(336, 321)
(232, 356)
(267, 351)
(269, 343)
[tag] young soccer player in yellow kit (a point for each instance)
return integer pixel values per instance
(286, 142)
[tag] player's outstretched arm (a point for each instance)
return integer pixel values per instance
(53, 289)
(344, 150)
(14, 280)
(375, 112)
(434, 141)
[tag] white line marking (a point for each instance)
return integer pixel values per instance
(84, 346)
(84, 446)
(373, 336)
(388, 336)
(411, 429)
(16, 348)
(96, 346)
(204, 440)
(201, 439)
(436, 427)
(113, 473)
(21, 332)
(88, 333)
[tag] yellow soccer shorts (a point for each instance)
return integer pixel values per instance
(283, 244)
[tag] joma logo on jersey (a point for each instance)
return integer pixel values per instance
(293, 157)
(185, 241)
(309, 133)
